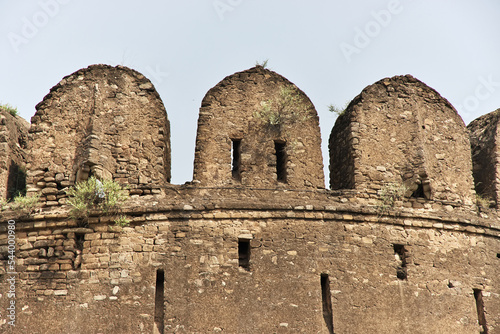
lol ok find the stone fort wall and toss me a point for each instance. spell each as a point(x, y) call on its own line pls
point(13, 141)
point(255, 244)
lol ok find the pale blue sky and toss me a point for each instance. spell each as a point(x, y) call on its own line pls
point(329, 49)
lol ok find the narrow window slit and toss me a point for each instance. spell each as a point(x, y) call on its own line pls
point(326, 297)
point(478, 296)
point(159, 301)
point(16, 181)
point(281, 158)
point(400, 253)
point(236, 159)
point(498, 255)
point(244, 253)
point(79, 240)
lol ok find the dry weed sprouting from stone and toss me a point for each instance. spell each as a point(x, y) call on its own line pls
point(106, 196)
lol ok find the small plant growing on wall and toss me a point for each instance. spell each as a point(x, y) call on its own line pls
point(262, 63)
point(3, 204)
point(287, 107)
point(339, 111)
point(389, 194)
point(122, 221)
point(26, 204)
point(105, 196)
point(12, 110)
point(482, 202)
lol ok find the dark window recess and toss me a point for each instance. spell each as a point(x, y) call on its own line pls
point(478, 295)
point(280, 160)
point(327, 302)
point(419, 193)
point(423, 188)
point(244, 253)
point(236, 159)
point(79, 240)
point(16, 181)
point(159, 301)
point(400, 252)
point(498, 255)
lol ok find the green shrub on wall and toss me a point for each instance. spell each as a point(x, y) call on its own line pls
point(287, 107)
point(105, 196)
point(12, 110)
point(26, 204)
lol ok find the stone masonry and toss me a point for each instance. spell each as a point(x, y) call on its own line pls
point(255, 243)
point(13, 139)
point(485, 155)
point(261, 110)
point(112, 124)
point(400, 130)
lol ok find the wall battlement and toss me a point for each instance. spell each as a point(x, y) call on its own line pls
point(255, 243)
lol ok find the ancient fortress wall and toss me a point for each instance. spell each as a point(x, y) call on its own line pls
point(255, 244)
point(13, 139)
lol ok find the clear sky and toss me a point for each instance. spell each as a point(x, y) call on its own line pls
point(329, 49)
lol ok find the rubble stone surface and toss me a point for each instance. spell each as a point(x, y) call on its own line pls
point(254, 244)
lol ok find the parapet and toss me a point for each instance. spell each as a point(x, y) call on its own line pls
point(484, 134)
point(104, 121)
point(399, 130)
point(13, 137)
point(257, 129)
point(252, 247)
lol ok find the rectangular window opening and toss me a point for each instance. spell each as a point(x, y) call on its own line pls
point(327, 302)
point(281, 158)
point(236, 159)
point(400, 253)
point(16, 181)
point(159, 301)
point(244, 253)
point(478, 296)
point(498, 255)
point(79, 242)
point(423, 188)
point(79, 239)
point(419, 193)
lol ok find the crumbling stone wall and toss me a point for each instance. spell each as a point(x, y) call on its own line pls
point(399, 130)
point(483, 137)
point(13, 139)
point(194, 240)
point(272, 120)
point(104, 121)
point(236, 250)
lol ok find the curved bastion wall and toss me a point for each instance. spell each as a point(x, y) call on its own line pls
point(255, 244)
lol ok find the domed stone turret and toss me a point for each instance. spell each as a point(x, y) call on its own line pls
point(257, 129)
point(104, 121)
point(401, 131)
